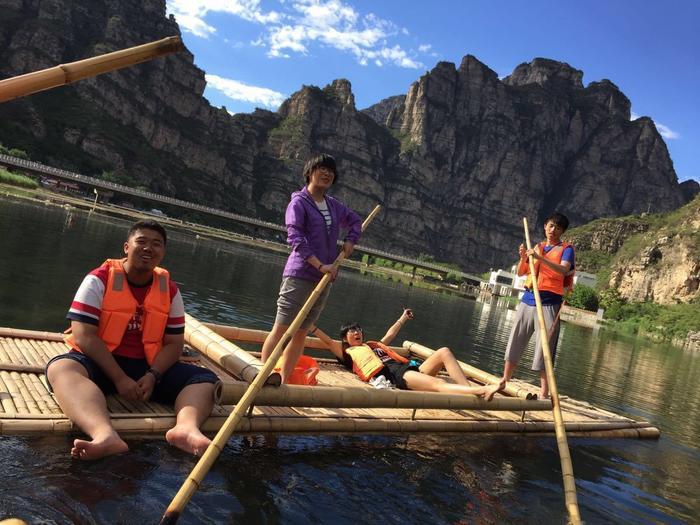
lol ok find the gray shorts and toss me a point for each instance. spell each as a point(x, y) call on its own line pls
point(524, 326)
point(293, 294)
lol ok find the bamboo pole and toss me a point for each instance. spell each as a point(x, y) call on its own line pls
point(564, 455)
point(364, 397)
point(249, 335)
point(423, 352)
point(26, 424)
point(200, 470)
point(62, 74)
point(228, 356)
point(30, 334)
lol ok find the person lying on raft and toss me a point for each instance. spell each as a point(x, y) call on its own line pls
point(374, 358)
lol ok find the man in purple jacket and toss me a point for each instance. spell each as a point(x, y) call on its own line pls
point(314, 221)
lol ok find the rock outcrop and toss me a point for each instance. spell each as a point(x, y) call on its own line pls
point(663, 264)
point(606, 235)
point(647, 258)
point(456, 162)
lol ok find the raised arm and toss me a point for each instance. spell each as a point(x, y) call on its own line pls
point(394, 329)
point(334, 346)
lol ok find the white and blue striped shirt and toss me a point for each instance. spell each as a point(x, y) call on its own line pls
point(323, 208)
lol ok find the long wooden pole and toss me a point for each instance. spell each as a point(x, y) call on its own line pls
point(566, 469)
point(363, 397)
point(62, 74)
point(191, 484)
point(555, 322)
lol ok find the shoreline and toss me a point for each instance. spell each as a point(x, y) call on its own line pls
point(43, 196)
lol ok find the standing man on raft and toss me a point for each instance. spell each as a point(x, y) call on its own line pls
point(554, 265)
point(128, 324)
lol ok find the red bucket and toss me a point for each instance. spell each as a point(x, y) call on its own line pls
point(304, 373)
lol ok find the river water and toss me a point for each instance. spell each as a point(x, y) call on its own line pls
point(46, 251)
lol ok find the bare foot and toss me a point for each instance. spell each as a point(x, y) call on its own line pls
point(490, 390)
point(98, 447)
point(189, 439)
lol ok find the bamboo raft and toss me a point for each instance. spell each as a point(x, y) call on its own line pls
point(340, 403)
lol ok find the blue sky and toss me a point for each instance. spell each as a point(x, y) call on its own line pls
point(258, 52)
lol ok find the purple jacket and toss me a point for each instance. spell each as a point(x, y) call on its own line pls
point(307, 234)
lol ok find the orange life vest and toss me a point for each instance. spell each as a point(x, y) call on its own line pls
point(549, 280)
point(119, 306)
point(366, 363)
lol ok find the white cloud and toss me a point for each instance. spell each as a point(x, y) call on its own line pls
point(190, 14)
point(335, 24)
point(329, 23)
point(195, 25)
point(424, 48)
point(663, 130)
point(667, 132)
point(236, 90)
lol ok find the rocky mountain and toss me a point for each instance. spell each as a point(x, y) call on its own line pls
point(646, 258)
point(456, 162)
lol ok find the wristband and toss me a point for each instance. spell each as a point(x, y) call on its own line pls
point(157, 375)
point(320, 265)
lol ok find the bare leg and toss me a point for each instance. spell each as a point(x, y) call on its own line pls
point(422, 382)
point(443, 357)
point(508, 370)
point(271, 340)
point(84, 403)
point(294, 349)
point(544, 385)
point(192, 406)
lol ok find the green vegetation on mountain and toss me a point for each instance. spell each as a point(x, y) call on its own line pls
point(16, 180)
point(648, 269)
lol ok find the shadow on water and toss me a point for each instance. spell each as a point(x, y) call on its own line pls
point(348, 479)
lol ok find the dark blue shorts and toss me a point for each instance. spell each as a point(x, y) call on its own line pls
point(394, 372)
point(174, 379)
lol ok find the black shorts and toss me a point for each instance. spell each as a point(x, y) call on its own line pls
point(173, 381)
point(394, 372)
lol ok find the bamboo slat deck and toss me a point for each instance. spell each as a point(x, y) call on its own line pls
point(26, 406)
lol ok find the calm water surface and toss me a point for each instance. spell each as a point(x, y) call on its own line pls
point(354, 479)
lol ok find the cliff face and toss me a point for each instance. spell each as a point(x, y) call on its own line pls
point(653, 257)
point(456, 162)
point(149, 121)
point(663, 265)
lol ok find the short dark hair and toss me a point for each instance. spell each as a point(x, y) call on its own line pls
point(148, 225)
point(323, 160)
point(559, 219)
point(345, 329)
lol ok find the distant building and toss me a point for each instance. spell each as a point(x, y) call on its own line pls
point(502, 277)
point(586, 279)
point(71, 187)
point(502, 282)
